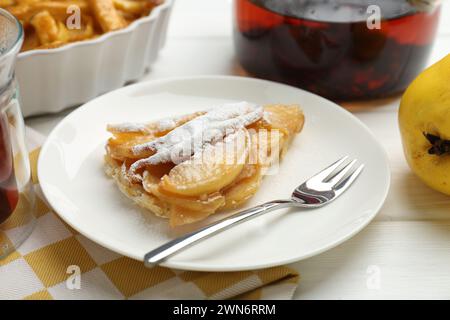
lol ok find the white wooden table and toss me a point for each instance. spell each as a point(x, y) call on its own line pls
point(405, 251)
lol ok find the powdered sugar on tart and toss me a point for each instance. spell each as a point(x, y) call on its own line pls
point(163, 125)
point(128, 127)
point(188, 139)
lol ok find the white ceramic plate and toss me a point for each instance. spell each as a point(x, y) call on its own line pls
point(73, 181)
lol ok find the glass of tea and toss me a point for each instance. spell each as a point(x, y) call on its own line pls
point(339, 49)
point(16, 191)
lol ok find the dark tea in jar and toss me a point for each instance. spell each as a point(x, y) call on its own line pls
point(9, 196)
point(341, 49)
point(17, 202)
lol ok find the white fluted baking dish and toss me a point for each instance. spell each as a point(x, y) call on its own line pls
point(52, 80)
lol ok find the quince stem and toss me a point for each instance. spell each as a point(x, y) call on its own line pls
point(439, 145)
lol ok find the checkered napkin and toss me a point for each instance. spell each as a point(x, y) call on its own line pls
point(56, 262)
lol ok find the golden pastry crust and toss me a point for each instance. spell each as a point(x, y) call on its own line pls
point(107, 15)
point(169, 192)
point(54, 23)
point(133, 191)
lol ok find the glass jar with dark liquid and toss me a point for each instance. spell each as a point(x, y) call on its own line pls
point(16, 191)
point(341, 49)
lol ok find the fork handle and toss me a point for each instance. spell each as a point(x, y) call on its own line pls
point(157, 255)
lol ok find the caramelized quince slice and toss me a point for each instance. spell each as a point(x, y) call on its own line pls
point(288, 119)
point(121, 144)
point(243, 190)
point(180, 216)
point(207, 203)
point(210, 170)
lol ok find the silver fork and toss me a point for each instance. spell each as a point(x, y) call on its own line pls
point(316, 192)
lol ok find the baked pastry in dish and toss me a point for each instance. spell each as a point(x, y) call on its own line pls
point(53, 23)
point(188, 167)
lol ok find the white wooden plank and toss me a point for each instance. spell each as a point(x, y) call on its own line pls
point(411, 260)
point(441, 48)
point(444, 26)
point(201, 18)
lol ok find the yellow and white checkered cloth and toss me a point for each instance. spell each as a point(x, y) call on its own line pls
point(38, 269)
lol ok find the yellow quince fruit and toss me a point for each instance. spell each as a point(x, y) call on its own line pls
point(424, 120)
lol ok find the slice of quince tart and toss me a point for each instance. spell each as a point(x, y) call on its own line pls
point(188, 167)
